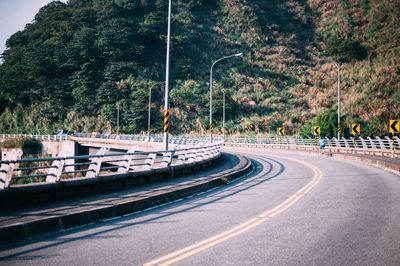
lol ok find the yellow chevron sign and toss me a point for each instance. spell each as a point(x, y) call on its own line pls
point(355, 129)
point(394, 126)
point(281, 131)
point(317, 131)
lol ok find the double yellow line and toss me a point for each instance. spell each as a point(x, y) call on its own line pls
point(244, 227)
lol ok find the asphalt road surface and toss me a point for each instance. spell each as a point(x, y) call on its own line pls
point(293, 209)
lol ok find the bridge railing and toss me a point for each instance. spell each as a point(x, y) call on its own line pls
point(56, 169)
point(377, 146)
point(38, 137)
point(182, 140)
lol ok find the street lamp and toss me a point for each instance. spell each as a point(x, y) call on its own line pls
point(223, 112)
point(338, 97)
point(211, 86)
point(117, 118)
point(166, 105)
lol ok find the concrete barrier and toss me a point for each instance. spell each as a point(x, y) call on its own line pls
point(81, 216)
point(31, 194)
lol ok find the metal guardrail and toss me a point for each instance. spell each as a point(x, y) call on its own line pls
point(38, 137)
point(152, 138)
point(182, 140)
point(378, 146)
point(55, 169)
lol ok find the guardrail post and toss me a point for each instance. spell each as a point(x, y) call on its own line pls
point(181, 157)
point(7, 168)
point(346, 143)
point(372, 142)
point(167, 158)
point(208, 152)
point(199, 154)
point(397, 139)
point(391, 145)
point(381, 143)
point(55, 171)
point(95, 163)
point(217, 150)
point(363, 143)
point(125, 165)
point(149, 162)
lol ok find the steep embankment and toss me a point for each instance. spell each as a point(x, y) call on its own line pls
point(76, 61)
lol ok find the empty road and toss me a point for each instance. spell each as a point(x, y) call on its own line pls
point(293, 209)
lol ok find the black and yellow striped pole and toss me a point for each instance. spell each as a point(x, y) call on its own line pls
point(166, 121)
point(339, 128)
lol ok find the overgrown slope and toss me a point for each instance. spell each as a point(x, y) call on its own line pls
point(76, 61)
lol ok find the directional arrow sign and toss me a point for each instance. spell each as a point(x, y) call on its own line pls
point(355, 129)
point(317, 131)
point(281, 131)
point(394, 126)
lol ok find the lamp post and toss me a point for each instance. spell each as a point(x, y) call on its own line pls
point(148, 116)
point(211, 86)
point(166, 105)
point(223, 113)
point(338, 97)
point(117, 118)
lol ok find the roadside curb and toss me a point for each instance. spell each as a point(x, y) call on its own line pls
point(18, 231)
point(374, 162)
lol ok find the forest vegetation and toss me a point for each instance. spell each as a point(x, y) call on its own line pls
point(76, 61)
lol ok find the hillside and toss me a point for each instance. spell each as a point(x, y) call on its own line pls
point(76, 61)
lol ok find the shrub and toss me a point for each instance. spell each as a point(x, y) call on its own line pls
point(345, 49)
point(29, 146)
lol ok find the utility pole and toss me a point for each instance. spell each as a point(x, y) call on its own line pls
point(166, 105)
point(338, 99)
point(223, 113)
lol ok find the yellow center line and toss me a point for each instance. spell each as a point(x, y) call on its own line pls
point(244, 227)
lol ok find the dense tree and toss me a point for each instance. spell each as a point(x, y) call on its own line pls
point(77, 60)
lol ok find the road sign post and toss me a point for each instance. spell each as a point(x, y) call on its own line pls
point(394, 127)
point(316, 132)
point(355, 130)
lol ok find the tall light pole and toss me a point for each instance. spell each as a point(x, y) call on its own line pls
point(223, 113)
point(211, 86)
point(117, 117)
point(148, 115)
point(166, 105)
point(338, 98)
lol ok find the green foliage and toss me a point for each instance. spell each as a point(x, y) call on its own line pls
point(29, 146)
point(345, 49)
point(326, 120)
point(71, 66)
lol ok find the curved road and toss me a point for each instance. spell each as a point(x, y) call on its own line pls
point(293, 209)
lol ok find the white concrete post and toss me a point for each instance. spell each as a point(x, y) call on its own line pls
point(95, 166)
point(125, 165)
point(6, 169)
point(55, 172)
point(167, 158)
point(149, 162)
